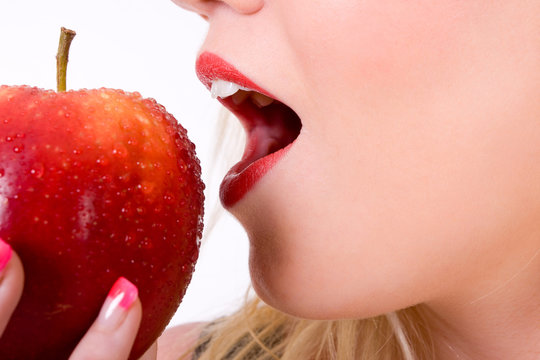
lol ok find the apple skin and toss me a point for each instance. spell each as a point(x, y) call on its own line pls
point(94, 185)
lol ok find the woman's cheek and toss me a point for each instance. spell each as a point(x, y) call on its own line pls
point(371, 212)
point(376, 49)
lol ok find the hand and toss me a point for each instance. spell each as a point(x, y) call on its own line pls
point(112, 334)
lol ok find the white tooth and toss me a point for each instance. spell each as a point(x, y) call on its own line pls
point(261, 100)
point(223, 89)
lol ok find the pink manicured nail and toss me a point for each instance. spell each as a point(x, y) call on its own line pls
point(121, 296)
point(5, 254)
point(124, 292)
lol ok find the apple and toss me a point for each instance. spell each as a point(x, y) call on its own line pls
point(94, 185)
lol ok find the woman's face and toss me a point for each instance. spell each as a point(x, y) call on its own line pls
point(416, 174)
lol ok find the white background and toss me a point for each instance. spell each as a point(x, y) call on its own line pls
point(147, 46)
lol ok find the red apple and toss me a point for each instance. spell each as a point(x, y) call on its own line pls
point(94, 185)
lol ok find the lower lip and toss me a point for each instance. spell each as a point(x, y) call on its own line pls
point(237, 184)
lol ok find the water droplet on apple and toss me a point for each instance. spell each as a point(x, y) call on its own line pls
point(146, 187)
point(125, 178)
point(9, 138)
point(103, 161)
point(37, 170)
point(130, 239)
point(106, 179)
point(18, 149)
point(120, 150)
point(169, 198)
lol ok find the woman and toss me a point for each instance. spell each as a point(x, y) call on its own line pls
point(405, 192)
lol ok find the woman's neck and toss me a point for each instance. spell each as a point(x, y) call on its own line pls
point(502, 323)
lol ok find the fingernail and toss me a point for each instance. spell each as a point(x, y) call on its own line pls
point(121, 296)
point(5, 254)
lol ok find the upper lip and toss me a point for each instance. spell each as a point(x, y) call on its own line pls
point(210, 67)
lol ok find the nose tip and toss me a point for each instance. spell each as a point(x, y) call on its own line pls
point(205, 7)
point(246, 7)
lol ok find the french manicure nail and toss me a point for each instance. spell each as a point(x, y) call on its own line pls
point(121, 296)
point(5, 254)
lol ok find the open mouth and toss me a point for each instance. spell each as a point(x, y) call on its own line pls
point(270, 125)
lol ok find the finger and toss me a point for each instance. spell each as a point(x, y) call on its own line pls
point(112, 335)
point(150, 354)
point(11, 283)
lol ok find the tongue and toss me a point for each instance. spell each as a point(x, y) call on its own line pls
point(269, 129)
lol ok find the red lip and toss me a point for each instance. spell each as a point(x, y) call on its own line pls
point(210, 67)
point(242, 177)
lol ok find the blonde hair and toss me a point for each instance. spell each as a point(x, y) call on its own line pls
point(260, 332)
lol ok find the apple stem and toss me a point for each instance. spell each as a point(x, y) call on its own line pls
point(66, 36)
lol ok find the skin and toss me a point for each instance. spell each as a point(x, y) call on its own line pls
point(418, 161)
point(418, 158)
